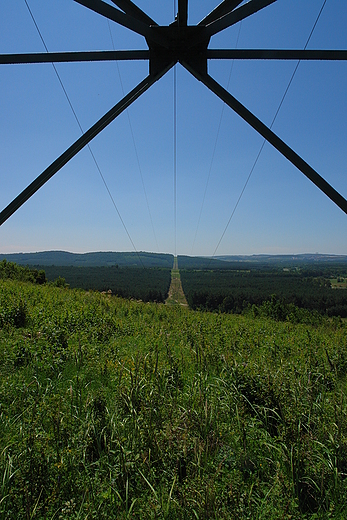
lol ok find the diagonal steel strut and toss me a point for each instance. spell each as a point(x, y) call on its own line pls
point(130, 8)
point(80, 143)
point(270, 136)
point(224, 8)
point(236, 16)
point(135, 25)
point(106, 10)
point(167, 46)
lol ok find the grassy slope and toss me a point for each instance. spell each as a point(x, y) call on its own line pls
point(117, 409)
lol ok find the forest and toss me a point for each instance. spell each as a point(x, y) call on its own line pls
point(146, 284)
point(299, 291)
point(239, 290)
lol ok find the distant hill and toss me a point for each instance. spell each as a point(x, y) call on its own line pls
point(245, 262)
point(163, 260)
point(97, 259)
point(201, 262)
point(288, 260)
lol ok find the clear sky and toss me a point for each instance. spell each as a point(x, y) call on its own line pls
point(280, 211)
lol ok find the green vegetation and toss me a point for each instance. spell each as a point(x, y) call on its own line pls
point(294, 290)
point(12, 271)
point(306, 262)
point(195, 262)
point(339, 283)
point(147, 284)
point(116, 409)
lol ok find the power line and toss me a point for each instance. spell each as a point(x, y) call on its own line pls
point(215, 143)
point(175, 156)
point(175, 7)
point(81, 129)
point(134, 143)
point(272, 123)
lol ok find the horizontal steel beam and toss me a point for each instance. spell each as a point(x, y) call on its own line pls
point(67, 57)
point(274, 54)
point(70, 57)
point(212, 54)
point(270, 136)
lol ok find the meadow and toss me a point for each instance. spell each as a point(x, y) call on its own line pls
point(119, 409)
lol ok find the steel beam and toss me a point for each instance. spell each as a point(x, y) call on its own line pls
point(236, 16)
point(224, 8)
point(211, 54)
point(100, 7)
point(67, 57)
point(130, 8)
point(78, 145)
point(270, 136)
point(167, 45)
point(182, 17)
point(274, 54)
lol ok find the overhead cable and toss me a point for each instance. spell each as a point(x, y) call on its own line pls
point(272, 123)
point(81, 129)
point(134, 143)
point(215, 143)
point(175, 147)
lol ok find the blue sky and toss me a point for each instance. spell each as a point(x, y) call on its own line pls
point(280, 211)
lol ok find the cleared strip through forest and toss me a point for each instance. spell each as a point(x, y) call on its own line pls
point(176, 294)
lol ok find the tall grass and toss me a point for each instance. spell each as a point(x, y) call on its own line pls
point(117, 409)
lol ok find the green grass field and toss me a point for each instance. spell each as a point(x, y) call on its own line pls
point(117, 409)
point(339, 283)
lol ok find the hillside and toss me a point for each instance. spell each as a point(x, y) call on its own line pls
point(163, 260)
point(96, 259)
point(113, 409)
point(299, 259)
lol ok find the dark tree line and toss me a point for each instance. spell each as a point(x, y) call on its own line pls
point(146, 284)
point(233, 291)
point(149, 284)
